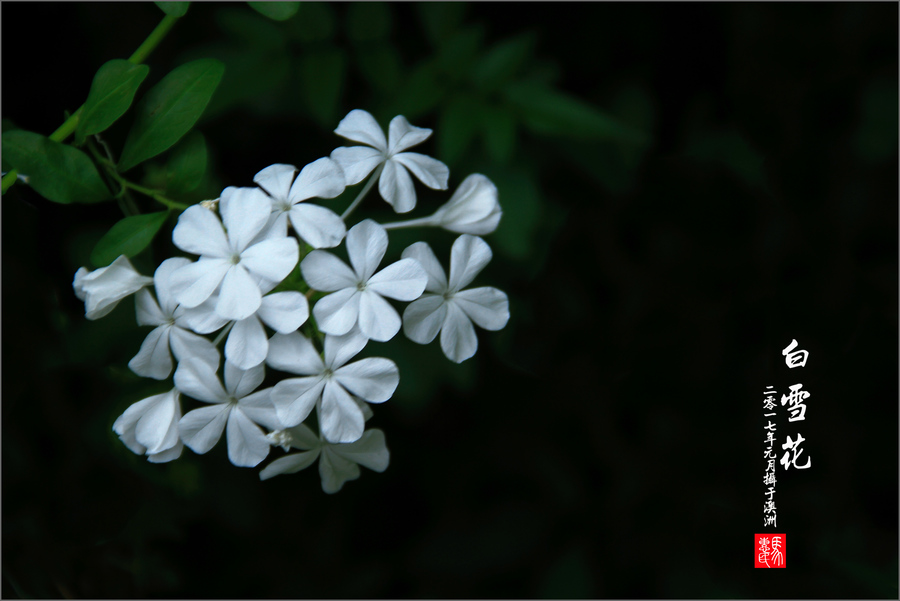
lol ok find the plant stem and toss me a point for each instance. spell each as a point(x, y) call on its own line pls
point(411, 223)
point(153, 40)
point(362, 193)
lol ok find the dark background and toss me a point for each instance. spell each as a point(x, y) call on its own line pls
point(609, 441)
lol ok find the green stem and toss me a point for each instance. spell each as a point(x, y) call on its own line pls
point(8, 180)
point(155, 195)
point(362, 193)
point(153, 40)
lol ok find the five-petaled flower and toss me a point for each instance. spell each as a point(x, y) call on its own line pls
point(154, 359)
point(233, 260)
point(358, 292)
point(394, 183)
point(327, 384)
point(318, 226)
point(446, 307)
point(338, 463)
point(233, 406)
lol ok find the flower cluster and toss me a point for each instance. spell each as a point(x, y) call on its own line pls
point(247, 244)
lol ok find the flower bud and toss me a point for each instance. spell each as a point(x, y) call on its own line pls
point(102, 289)
point(473, 208)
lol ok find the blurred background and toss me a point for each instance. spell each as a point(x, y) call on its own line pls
point(685, 188)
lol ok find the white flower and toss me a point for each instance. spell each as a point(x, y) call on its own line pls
point(473, 208)
point(358, 293)
point(150, 427)
point(395, 184)
point(154, 359)
point(247, 343)
point(233, 259)
point(338, 463)
point(328, 383)
point(445, 307)
point(102, 289)
point(233, 406)
point(318, 226)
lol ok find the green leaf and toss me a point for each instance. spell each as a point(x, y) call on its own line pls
point(111, 94)
point(381, 67)
point(315, 23)
point(322, 75)
point(457, 55)
point(170, 109)
point(523, 212)
point(500, 63)
point(277, 11)
point(252, 30)
point(174, 9)
point(127, 237)
point(368, 21)
point(56, 171)
point(459, 122)
point(547, 111)
point(440, 19)
point(423, 91)
point(186, 165)
point(499, 131)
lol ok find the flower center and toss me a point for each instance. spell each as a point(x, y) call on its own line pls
point(448, 295)
point(235, 258)
point(327, 373)
point(361, 286)
point(280, 438)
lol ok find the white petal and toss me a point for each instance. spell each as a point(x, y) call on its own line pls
point(458, 340)
point(295, 398)
point(367, 242)
point(161, 283)
point(339, 416)
point(340, 349)
point(373, 379)
point(186, 345)
point(468, 257)
point(247, 443)
point(303, 438)
point(430, 172)
point(197, 379)
point(154, 359)
point(78, 282)
point(294, 353)
point(396, 187)
point(203, 318)
point(148, 312)
point(319, 227)
point(202, 428)
point(126, 423)
point(259, 408)
point(289, 464)
point(422, 253)
point(378, 320)
point(323, 178)
point(239, 297)
point(276, 180)
point(337, 313)
point(402, 135)
point(487, 307)
point(357, 162)
point(241, 382)
point(194, 283)
point(247, 344)
point(422, 319)
point(157, 429)
point(284, 312)
point(324, 271)
point(335, 471)
point(167, 455)
point(369, 451)
point(245, 212)
point(360, 126)
point(271, 259)
point(200, 232)
point(404, 280)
